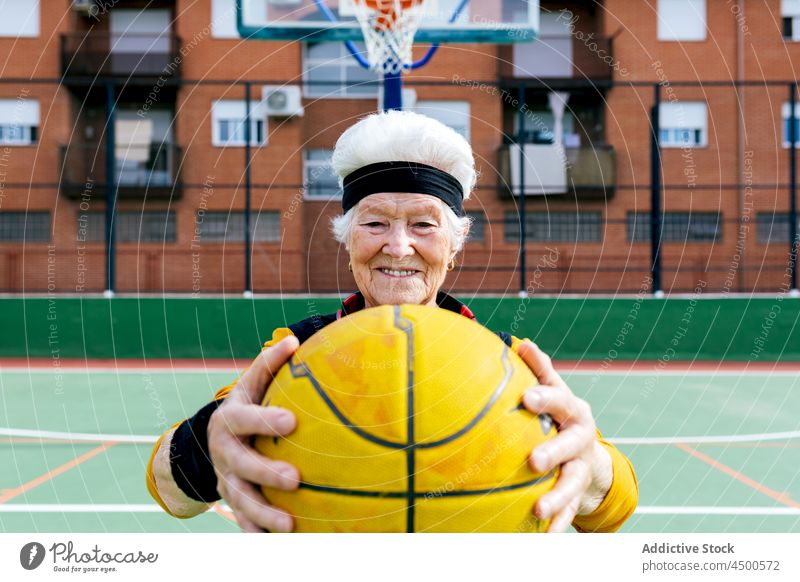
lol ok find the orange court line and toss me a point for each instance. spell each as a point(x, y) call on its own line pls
point(783, 498)
point(226, 514)
point(16, 492)
point(754, 445)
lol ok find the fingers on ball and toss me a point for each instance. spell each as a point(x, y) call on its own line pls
point(249, 465)
point(567, 445)
point(246, 500)
point(561, 521)
point(559, 403)
point(571, 485)
point(246, 525)
point(255, 380)
point(253, 419)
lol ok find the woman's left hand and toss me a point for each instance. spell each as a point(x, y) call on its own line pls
point(586, 471)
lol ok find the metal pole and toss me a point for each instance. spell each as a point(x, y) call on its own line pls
point(792, 188)
point(111, 190)
point(655, 193)
point(248, 268)
point(522, 221)
point(392, 91)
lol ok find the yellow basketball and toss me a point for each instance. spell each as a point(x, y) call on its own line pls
point(409, 418)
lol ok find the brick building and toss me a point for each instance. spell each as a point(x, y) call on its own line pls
point(176, 77)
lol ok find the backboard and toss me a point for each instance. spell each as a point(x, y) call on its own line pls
point(445, 21)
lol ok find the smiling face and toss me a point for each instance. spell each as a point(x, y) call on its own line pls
point(399, 248)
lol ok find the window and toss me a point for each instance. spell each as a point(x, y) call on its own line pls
point(681, 20)
point(454, 114)
point(683, 124)
point(131, 226)
point(223, 16)
point(552, 56)
point(148, 226)
point(556, 227)
point(638, 226)
point(143, 150)
point(319, 181)
point(91, 227)
point(20, 18)
point(329, 70)
point(140, 32)
point(773, 228)
point(677, 227)
point(19, 121)
point(265, 226)
point(785, 115)
point(477, 231)
point(790, 11)
point(228, 129)
point(21, 226)
point(539, 127)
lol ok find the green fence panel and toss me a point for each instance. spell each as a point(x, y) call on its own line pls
point(762, 329)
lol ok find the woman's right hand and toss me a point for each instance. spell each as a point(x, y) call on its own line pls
point(239, 467)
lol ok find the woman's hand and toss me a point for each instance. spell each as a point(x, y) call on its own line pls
point(239, 467)
point(586, 471)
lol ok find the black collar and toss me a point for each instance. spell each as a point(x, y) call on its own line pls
point(355, 302)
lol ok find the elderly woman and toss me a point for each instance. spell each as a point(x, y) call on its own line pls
point(404, 178)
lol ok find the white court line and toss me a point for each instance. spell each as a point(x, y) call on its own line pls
point(153, 508)
point(83, 508)
point(147, 439)
point(77, 436)
point(705, 440)
point(733, 510)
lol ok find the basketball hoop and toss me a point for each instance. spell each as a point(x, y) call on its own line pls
point(389, 27)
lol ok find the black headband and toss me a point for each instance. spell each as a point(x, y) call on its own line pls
point(409, 177)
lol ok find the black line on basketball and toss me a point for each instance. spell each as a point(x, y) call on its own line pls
point(509, 371)
point(424, 494)
point(301, 370)
point(408, 328)
point(353, 492)
point(468, 492)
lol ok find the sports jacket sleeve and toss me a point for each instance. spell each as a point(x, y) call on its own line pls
point(180, 476)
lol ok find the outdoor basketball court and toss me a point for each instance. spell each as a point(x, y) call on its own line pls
point(715, 449)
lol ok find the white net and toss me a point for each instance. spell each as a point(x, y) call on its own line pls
point(389, 27)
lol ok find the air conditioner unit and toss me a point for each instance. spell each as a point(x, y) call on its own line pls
point(84, 7)
point(282, 100)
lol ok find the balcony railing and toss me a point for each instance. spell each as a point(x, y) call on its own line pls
point(106, 54)
point(564, 57)
point(552, 170)
point(150, 171)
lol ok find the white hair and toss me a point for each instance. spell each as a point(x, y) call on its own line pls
point(408, 137)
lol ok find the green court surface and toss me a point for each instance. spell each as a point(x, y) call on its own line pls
point(713, 451)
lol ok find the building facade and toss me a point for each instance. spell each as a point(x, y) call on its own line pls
point(568, 120)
